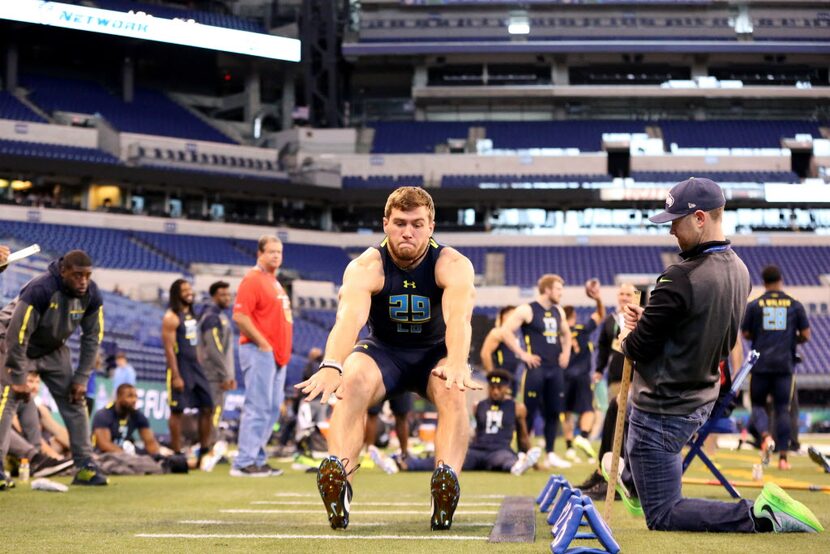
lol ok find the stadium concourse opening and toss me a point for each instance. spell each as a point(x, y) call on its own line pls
point(198, 211)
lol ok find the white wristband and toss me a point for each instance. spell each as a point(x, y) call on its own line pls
point(332, 364)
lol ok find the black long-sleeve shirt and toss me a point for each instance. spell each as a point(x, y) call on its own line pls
point(691, 322)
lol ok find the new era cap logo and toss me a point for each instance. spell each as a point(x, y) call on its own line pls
point(692, 205)
point(669, 200)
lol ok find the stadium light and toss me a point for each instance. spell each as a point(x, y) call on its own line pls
point(147, 27)
point(519, 24)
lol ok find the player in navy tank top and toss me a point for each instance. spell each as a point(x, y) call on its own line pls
point(547, 341)
point(187, 384)
point(417, 297)
point(494, 354)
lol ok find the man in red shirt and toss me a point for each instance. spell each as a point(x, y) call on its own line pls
point(263, 314)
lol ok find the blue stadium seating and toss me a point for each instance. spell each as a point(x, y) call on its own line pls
point(382, 181)
point(187, 249)
point(169, 252)
point(734, 133)
point(416, 137)
point(475, 181)
point(12, 108)
point(422, 136)
point(718, 176)
point(583, 134)
point(151, 112)
point(815, 354)
point(107, 247)
point(56, 152)
point(395, 137)
point(576, 264)
point(800, 265)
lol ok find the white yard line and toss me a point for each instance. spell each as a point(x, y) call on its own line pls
point(401, 495)
point(321, 524)
point(351, 524)
point(339, 537)
point(360, 512)
point(358, 503)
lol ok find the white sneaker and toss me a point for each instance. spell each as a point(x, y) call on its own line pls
point(556, 461)
point(210, 460)
point(526, 461)
point(585, 446)
point(386, 464)
point(570, 454)
point(521, 464)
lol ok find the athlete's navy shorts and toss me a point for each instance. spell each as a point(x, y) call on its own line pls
point(196, 392)
point(579, 398)
point(403, 369)
point(401, 404)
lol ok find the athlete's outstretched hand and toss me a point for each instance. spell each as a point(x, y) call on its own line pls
point(460, 375)
point(325, 382)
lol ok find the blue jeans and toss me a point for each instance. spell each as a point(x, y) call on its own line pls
point(653, 455)
point(264, 384)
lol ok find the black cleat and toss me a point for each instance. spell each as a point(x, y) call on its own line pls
point(335, 490)
point(593, 480)
point(445, 493)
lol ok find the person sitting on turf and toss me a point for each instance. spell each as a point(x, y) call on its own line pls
point(498, 418)
point(114, 427)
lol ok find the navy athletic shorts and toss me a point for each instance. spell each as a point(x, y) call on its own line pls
point(196, 393)
point(579, 398)
point(403, 369)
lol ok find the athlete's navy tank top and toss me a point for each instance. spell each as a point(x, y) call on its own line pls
point(187, 338)
point(504, 358)
point(407, 311)
point(495, 423)
point(541, 335)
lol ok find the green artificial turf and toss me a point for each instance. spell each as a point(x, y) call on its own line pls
point(109, 519)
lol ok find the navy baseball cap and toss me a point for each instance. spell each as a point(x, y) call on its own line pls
point(688, 196)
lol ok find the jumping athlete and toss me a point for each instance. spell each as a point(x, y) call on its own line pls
point(417, 296)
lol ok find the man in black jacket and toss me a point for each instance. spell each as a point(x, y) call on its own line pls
point(691, 322)
point(34, 328)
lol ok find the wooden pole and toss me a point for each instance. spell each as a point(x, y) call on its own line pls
point(619, 428)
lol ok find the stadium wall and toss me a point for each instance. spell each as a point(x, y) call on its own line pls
point(48, 134)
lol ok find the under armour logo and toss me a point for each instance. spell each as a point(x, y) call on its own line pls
point(409, 284)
